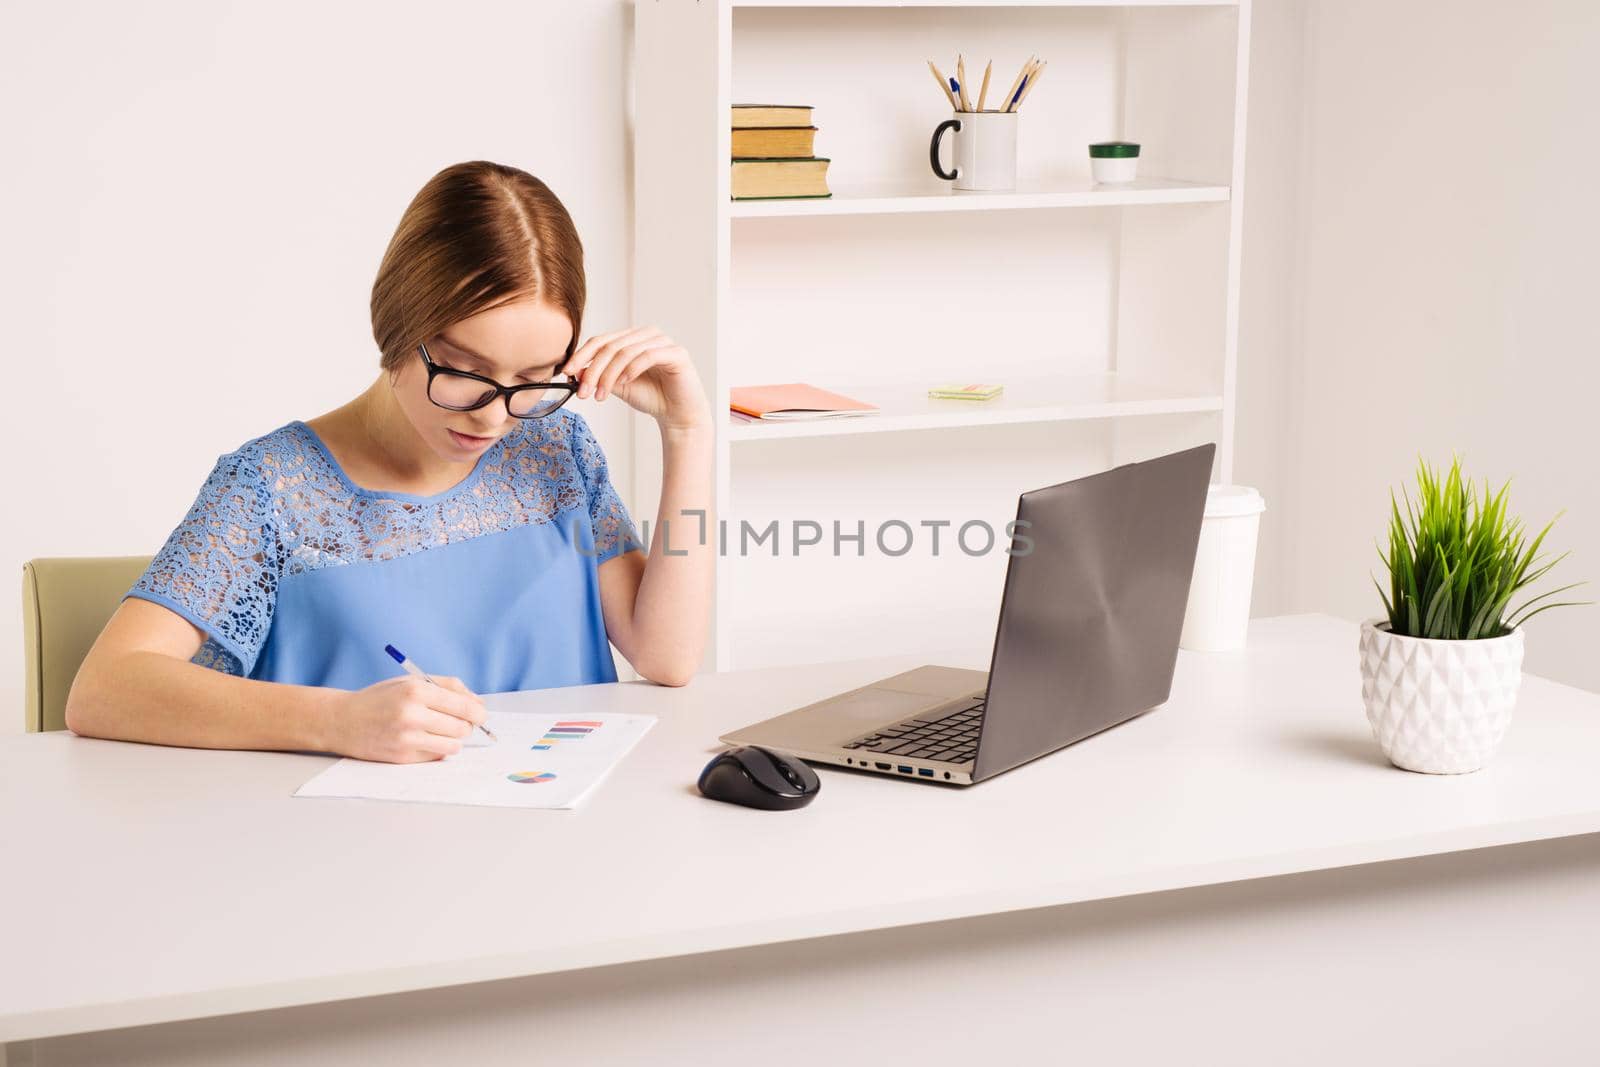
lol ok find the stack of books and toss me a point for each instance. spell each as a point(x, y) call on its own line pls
point(772, 153)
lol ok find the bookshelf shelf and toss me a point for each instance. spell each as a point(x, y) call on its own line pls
point(888, 198)
point(981, 3)
point(1113, 332)
point(1089, 396)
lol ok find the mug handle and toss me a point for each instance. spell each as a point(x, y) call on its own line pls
point(933, 149)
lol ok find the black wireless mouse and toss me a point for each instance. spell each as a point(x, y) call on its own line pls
point(760, 778)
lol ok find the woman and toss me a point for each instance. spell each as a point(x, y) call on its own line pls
point(457, 509)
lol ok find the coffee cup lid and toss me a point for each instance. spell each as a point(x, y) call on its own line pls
point(1225, 501)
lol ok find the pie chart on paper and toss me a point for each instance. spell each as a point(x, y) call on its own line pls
point(530, 777)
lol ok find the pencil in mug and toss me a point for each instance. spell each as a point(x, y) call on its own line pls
point(983, 90)
point(945, 88)
point(1029, 73)
point(961, 81)
point(1011, 93)
point(1033, 79)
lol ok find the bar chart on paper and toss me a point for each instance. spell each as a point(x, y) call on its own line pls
point(538, 761)
point(566, 731)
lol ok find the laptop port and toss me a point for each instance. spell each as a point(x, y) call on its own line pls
point(924, 772)
point(903, 769)
point(883, 766)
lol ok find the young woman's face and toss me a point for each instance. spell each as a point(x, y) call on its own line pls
point(524, 341)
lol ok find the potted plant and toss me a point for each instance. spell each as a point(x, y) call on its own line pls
point(1440, 673)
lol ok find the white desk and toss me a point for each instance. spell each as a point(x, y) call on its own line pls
point(149, 885)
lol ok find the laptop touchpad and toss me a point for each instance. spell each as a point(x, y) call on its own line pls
point(871, 705)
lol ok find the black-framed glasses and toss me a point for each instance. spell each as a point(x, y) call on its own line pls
point(459, 390)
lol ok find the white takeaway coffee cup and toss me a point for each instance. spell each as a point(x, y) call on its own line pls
point(1224, 570)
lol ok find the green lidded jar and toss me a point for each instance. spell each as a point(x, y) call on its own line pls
point(1114, 161)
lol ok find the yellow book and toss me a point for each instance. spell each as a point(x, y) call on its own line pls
point(774, 142)
point(747, 115)
point(775, 179)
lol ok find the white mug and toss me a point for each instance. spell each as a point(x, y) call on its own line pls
point(984, 150)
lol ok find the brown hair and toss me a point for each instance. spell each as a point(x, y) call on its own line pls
point(476, 236)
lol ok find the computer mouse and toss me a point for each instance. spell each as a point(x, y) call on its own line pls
point(760, 777)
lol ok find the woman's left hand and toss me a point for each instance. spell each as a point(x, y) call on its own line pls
point(645, 369)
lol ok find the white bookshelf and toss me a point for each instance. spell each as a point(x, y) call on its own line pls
point(982, 3)
point(908, 407)
point(894, 197)
point(1109, 313)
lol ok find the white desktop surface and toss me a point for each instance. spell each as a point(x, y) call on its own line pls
point(147, 884)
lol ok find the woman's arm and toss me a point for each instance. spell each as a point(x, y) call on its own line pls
point(661, 604)
point(657, 607)
point(137, 684)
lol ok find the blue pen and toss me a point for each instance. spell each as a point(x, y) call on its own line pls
point(416, 672)
point(955, 87)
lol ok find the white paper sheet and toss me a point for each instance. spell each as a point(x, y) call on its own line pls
point(538, 761)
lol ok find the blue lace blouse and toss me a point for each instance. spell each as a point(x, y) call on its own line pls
point(296, 574)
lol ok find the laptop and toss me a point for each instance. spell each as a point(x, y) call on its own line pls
point(1096, 586)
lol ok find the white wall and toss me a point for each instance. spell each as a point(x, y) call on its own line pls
point(196, 196)
point(1448, 284)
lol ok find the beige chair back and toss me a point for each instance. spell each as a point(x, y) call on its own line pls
point(65, 604)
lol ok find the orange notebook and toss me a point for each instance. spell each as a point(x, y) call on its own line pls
point(794, 401)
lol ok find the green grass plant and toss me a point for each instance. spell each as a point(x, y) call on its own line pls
point(1456, 559)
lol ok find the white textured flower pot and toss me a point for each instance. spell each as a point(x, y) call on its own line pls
point(1440, 707)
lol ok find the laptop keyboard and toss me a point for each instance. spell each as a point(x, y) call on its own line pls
point(951, 737)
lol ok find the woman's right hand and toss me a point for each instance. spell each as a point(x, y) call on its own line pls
point(407, 720)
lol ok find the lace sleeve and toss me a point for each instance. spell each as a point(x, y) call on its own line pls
point(219, 569)
point(613, 529)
